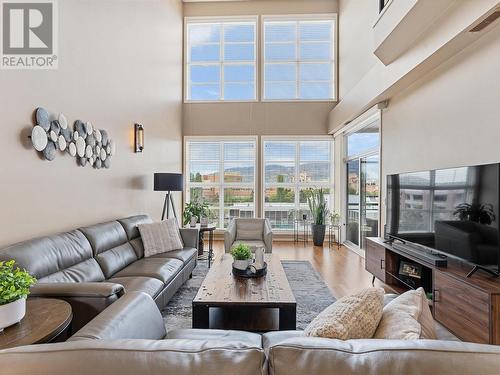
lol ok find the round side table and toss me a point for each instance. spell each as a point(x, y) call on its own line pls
point(45, 320)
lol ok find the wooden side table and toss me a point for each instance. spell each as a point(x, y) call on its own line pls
point(45, 320)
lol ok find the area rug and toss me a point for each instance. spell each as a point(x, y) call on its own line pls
point(311, 293)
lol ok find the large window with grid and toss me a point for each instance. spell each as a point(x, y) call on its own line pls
point(222, 174)
point(290, 168)
point(220, 56)
point(299, 57)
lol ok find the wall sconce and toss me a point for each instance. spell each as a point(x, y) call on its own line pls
point(139, 137)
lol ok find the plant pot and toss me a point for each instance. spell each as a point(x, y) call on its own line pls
point(318, 234)
point(12, 313)
point(241, 264)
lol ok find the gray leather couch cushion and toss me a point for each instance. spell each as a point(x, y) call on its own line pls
point(85, 271)
point(47, 255)
point(129, 224)
point(216, 334)
point(133, 357)
point(185, 254)
point(163, 269)
point(133, 316)
point(307, 355)
point(105, 236)
point(115, 259)
point(146, 285)
point(138, 247)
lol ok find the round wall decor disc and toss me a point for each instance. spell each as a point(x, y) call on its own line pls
point(98, 135)
point(63, 122)
point(103, 154)
point(49, 152)
point(88, 151)
point(42, 118)
point(53, 136)
point(72, 149)
point(80, 147)
point(89, 128)
point(61, 142)
point(39, 138)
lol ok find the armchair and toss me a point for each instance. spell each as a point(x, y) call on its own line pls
point(253, 232)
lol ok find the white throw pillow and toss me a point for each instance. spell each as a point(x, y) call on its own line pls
point(407, 317)
point(160, 237)
point(351, 317)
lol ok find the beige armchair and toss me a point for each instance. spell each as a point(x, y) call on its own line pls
point(253, 232)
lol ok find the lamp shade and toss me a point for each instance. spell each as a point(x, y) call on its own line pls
point(168, 182)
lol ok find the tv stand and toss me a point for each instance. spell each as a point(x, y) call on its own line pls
point(482, 268)
point(467, 306)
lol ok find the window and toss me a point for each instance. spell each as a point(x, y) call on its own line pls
point(290, 168)
point(220, 59)
point(299, 57)
point(222, 174)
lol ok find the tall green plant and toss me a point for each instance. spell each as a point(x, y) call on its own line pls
point(316, 198)
point(15, 283)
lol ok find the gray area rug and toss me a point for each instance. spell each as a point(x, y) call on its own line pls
point(310, 291)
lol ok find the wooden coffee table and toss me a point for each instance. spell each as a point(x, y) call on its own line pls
point(245, 297)
point(45, 320)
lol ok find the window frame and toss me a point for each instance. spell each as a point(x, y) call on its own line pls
point(297, 18)
point(296, 185)
point(221, 184)
point(221, 63)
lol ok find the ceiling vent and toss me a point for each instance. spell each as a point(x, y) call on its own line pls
point(487, 21)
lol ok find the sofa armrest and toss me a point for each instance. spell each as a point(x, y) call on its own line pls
point(229, 236)
point(92, 289)
point(268, 236)
point(120, 321)
point(87, 300)
point(190, 237)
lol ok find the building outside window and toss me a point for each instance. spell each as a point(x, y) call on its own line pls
point(290, 168)
point(222, 174)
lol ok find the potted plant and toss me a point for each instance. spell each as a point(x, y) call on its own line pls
point(335, 218)
point(195, 209)
point(242, 255)
point(476, 212)
point(316, 198)
point(14, 288)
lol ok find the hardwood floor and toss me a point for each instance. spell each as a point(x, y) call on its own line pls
point(342, 269)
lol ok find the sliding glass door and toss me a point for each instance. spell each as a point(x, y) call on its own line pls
point(363, 183)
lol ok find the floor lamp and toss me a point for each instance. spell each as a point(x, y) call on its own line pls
point(168, 182)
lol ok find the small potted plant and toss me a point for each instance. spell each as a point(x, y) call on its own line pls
point(242, 255)
point(335, 218)
point(14, 288)
point(195, 209)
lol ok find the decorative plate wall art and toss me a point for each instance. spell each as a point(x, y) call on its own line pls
point(86, 143)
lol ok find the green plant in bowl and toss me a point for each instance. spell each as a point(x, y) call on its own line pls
point(15, 286)
point(14, 282)
point(241, 252)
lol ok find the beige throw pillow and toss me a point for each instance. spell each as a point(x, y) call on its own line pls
point(351, 317)
point(407, 317)
point(160, 237)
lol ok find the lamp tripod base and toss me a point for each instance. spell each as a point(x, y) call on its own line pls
point(166, 206)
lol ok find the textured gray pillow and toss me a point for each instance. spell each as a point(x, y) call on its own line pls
point(160, 237)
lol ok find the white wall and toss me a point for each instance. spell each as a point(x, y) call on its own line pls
point(120, 62)
point(450, 117)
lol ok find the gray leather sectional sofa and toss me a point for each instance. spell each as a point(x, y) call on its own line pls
point(91, 267)
point(129, 338)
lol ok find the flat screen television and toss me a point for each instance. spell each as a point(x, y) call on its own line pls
point(454, 211)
